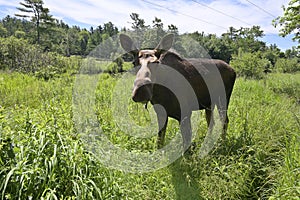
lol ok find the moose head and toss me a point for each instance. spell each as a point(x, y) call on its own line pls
point(147, 61)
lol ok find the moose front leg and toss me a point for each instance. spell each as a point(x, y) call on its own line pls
point(186, 132)
point(162, 126)
point(162, 119)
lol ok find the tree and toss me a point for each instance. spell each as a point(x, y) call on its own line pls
point(173, 29)
point(159, 27)
point(84, 37)
point(13, 24)
point(3, 31)
point(157, 23)
point(139, 27)
point(292, 53)
point(138, 23)
point(40, 15)
point(272, 53)
point(250, 65)
point(290, 21)
point(110, 29)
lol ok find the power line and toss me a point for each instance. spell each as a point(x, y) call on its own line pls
point(218, 11)
point(261, 9)
point(186, 15)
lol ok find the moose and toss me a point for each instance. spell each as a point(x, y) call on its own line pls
point(176, 86)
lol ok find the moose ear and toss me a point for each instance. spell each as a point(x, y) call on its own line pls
point(165, 43)
point(127, 43)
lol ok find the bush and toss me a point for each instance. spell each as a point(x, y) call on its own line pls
point(250, 65)
point(287, 65)
point(16, 54)
point(116, 66)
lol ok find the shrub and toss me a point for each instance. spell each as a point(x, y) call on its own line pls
point(250, 65)
point(116, 66)
point(287, 65)
point(16, 54)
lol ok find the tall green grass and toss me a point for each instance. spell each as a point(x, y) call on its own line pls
point(43, 157)
point(288, 84)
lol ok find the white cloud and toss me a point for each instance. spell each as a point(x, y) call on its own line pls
point(12, 3)
point(189, 16)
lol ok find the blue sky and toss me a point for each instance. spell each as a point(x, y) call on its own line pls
point(210, 16)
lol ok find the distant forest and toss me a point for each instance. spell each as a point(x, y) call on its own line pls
point(38, 31)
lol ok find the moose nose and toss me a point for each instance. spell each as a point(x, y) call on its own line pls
point(135, 98)
point(142, 93)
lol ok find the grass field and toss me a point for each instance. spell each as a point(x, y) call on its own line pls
point(42, 155)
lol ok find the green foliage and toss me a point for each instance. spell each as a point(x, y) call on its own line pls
point(287, 65)
point(272, 53)
point(20, 34)
point(231, 42)
point(3, 31)
point(250, 65)
point(66, 40)
point(290, 20)
point(115, 67)
point(18, 55)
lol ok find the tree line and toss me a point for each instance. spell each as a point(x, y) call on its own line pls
point(37, 32)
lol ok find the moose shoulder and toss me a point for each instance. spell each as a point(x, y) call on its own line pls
point(177, 86)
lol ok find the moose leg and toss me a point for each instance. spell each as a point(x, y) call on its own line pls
point(209, 119)
point(186, 132)
point(225, 121)
point(224, 118)
point(162, 126)
point(162, 119)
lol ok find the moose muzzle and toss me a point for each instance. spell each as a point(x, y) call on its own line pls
point(143, 86)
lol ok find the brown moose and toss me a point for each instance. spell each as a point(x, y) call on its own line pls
point(176, 86)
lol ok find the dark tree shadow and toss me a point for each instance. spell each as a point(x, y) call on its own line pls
point(184, 181)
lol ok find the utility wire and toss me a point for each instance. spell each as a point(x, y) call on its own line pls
point(218, 11)
point(261, 9)
point(186, 15)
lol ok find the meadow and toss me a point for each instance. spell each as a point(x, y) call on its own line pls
point(43, 157)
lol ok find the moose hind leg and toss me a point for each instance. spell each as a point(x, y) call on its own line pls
point(209, 118)
point(224, 119)
point(225, 126)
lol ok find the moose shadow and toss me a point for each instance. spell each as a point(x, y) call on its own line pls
point(184, 180)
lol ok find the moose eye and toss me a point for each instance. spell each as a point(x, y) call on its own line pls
point(128, 57)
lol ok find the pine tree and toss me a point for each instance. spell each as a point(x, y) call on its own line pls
point(39, 15)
